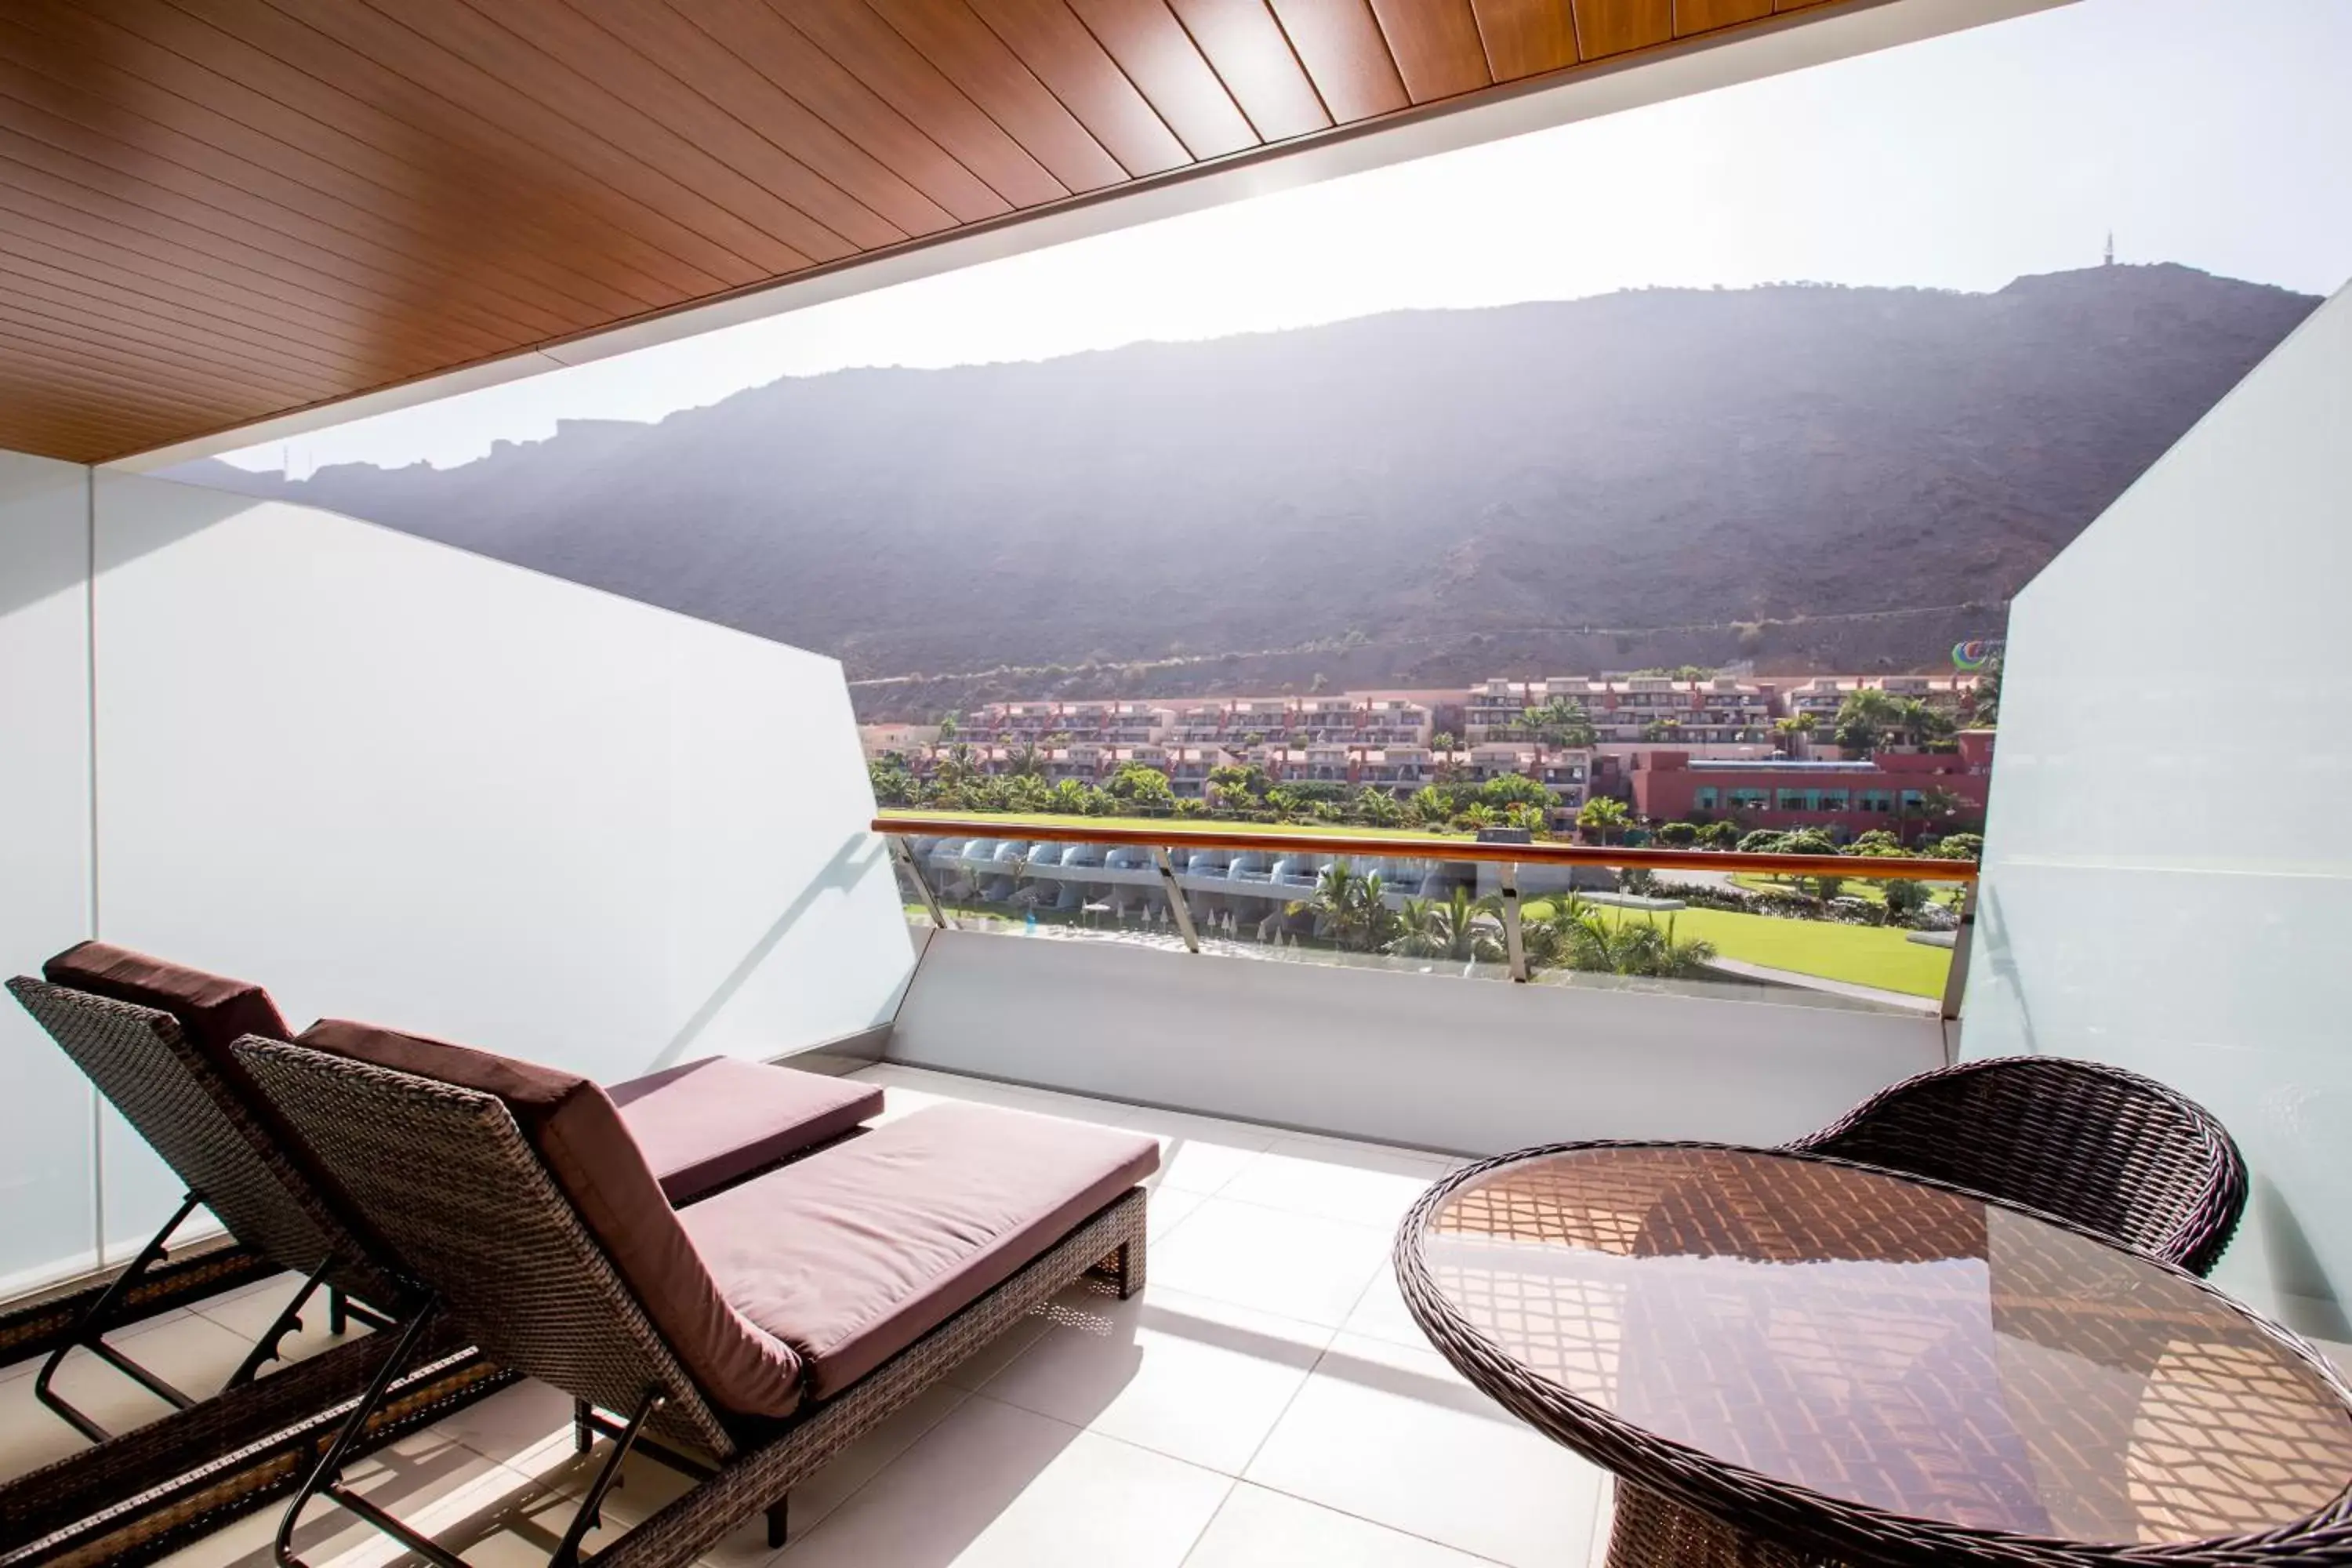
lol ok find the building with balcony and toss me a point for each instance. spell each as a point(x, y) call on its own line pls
point(1910, 793)
point(389, 779)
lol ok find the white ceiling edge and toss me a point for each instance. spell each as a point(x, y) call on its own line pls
point(1794, 42)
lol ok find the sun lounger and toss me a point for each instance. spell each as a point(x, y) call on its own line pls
point(154, 1036)
point(742, 1341)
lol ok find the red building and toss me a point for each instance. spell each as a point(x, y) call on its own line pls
point(1899, 791)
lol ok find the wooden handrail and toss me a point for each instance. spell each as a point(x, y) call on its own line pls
point(1430, 847)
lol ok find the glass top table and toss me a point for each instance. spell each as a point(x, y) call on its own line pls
point(1786, 1337)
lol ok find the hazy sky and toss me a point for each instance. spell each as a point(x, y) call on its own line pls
point(2205, 131)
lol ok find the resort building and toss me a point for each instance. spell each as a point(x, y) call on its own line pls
point(1908, 792)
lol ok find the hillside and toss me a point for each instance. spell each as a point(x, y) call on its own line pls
point(1401, 495)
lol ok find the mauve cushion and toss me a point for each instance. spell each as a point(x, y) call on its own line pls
point(858, 1251)
point(704, 1124)
point(214, 1011)
point(582, 1140)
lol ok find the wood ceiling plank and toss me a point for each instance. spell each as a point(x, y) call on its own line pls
point(1340, 43)
point(1059, 52)
point(148, 384)
point(769, 121)
point(1605, 27)
point(1436, 46)
point(125, 273)
point(35, 221)
point(422, 84)
point(1159, 58)
point(1692, 17)
point(1526, 38)
point(161, 185)
point(763, 42)
point(579, 251)
point(100, 106)
point(134, 348)
point(452, 148)
point(1249, 51)
point(257, 360)
point(37, 416)
point(871, 50)
point(285, 265)
point(568, 65)
point(963, 50)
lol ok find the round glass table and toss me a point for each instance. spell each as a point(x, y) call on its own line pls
point(1790, 1359)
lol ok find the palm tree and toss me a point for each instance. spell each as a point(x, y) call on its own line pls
point(1459, 927)
point(1428, 807)
point(1603, 814)
point(1350, 908)
point(1579, 936)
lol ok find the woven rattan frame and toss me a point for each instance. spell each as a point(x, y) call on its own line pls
point(448, 1179)
point(1757, 1522)
point(2119, 1154)
point(448, 1176)
point(200, 1124)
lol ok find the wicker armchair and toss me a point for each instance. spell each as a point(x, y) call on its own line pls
point(2109, 1150)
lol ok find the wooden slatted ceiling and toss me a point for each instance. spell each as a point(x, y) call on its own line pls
point(213, 211)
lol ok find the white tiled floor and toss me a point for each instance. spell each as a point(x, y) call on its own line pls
point(1265, 1402)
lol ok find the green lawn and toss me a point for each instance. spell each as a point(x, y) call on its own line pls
point(1012, 820)
point(1861, 956)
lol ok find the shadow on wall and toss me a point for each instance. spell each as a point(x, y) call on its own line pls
point(841, 873)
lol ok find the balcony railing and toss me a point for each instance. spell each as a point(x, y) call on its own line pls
point(1266, 864)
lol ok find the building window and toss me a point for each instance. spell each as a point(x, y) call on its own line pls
point(1747, 799)
point(1793, 800)
point(1912, 800)
point(1704, 799)
point(1877, 800)
point(1834, 800)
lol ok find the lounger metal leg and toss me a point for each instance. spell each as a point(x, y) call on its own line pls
point(326, 1480)
point(584, 1426)
point(339, 1312)
point(776, 1511)
point(592, 1511)
point(91, 1334)
point(290, 1322)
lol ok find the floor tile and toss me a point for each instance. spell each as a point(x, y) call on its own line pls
point(1396, 1436)
point(1199, 1153)
point(1166, 1209)
point(1291, 1265)
point(993, 1485)
point(1381, 1314)
point(1358, 1184)
point(453, 1494)
point(1262, 1529)
point(248, 1314)
point(193, 1353)
point(1197, 1379)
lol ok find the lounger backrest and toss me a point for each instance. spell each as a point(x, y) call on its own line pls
point(445, 1173)
point(207, 1131)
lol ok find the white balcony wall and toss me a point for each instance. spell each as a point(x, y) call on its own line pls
point(47, 1152)
point(1435, 1061)
point(397, 782)
point(2163, 895)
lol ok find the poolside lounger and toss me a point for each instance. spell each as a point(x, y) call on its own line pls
point(154, 1036)
point(742, 1341)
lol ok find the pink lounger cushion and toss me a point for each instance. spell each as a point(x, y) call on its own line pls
point(704, 1124)
point(858, 1251)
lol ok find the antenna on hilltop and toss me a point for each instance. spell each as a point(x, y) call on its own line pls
point(2110, 261)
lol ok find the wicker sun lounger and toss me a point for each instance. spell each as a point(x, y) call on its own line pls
point(742, 1342)
point(154, 1037)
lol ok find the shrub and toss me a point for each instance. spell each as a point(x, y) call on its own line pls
point(1678, 835)
point(1763, 841)
point(1719, 835)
